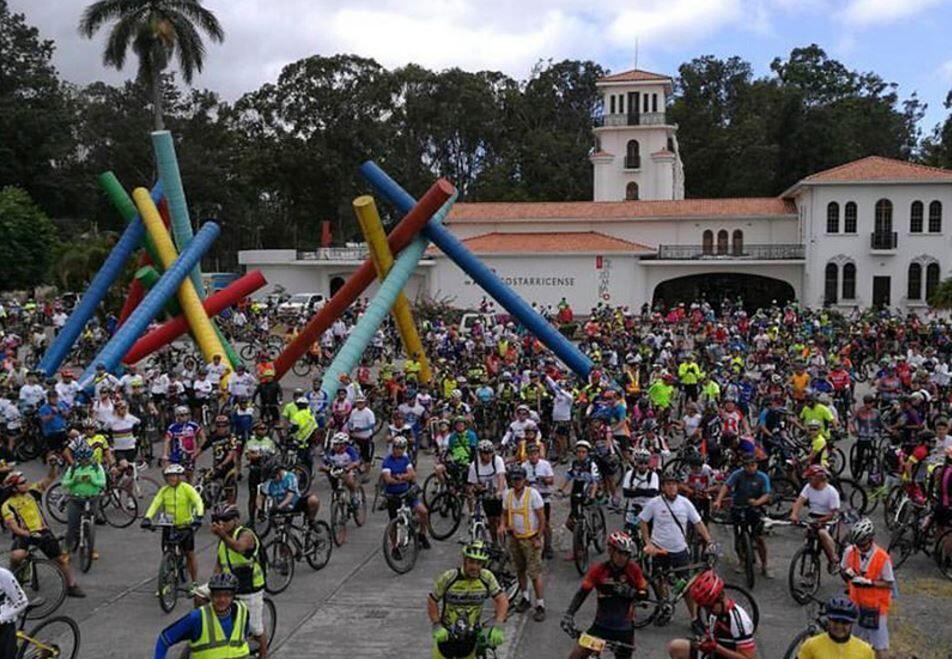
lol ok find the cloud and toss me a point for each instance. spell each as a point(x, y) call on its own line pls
point(877, 12)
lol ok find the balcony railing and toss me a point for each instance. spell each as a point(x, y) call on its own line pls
point(625, 119)
point(632, 162)
point(746, 252)
point(334, 254)
point(883, 240)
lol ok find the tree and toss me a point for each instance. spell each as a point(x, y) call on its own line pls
point(941, 297)
point(156, 30)
point(937, 148)
point(27, 240)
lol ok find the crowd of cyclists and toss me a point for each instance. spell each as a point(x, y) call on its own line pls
point(691, 418)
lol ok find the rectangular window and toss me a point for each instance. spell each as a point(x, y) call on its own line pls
point(849, 217)
point(646, 103)
point(621, 104)
point(935, 217)
point(612, 104)
point(654, 102)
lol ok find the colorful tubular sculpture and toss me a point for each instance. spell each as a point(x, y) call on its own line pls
point(198, 321)
point(153, 302)
point(399, 238)
point(390, 290)
point(213, 305)
point(372, 228)
point(110, 270)
point(479, 273)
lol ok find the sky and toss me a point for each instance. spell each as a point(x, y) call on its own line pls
point(905, 41)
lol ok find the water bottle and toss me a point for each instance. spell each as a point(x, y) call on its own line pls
point(680, 584)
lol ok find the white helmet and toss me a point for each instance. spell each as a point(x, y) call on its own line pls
point(181, 409)
point(457, 394)
point(583, 444)
point(485, 446)
point(339, 438)
point(174, 469)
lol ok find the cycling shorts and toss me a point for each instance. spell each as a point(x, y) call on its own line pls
point(46, 541)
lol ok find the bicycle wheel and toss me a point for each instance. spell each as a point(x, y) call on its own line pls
point(167, 586)
point(902, 544)
point(88, 531)
point(119, 508)
point(303, 477)
point(269, 621)
point(261, 524)
point(399, 546)
point(302, 367)
point(599, 532)
point(857, 465)
point(785, 493)
point(891, 506)
point(580, 547)
point(837, 461)
point(42, 581)
point(853, 494)
point(360, 512)
point(54, 500)
point(803, 579)
point(247, 352)
point(56, 637)
point(795, 644)
point(432, 487)
point(746, 601)
point(144, 490)
point(339, 522)
point(280, 560)
point(652, 605)
point(319, 545)
point(943, 554)
point(745, 552)
point(445, 516)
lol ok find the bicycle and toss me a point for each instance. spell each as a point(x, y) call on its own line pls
point(44, 583)
point(744, 542)
point(142, 488)
point(343, 506)
point(401, 544)
point(803, 577)
point(471, 640)
point(54, 637)
point(920, 533)
point(589, 531)
point(816, 614)
point(269, 621)
point(288, 546)
point(595, 645)
point(86, 542)
point(446, 508)
point(214, 489)
point(172, 568)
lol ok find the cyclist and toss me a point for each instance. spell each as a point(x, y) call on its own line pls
point(178, 500)
point(13, 603)
point(398, 477)
point(618, 583)
point(216, 630)
point(182, 440)
point(824, 503)
point(541, 477)
point(524, 521)
point(302, 427)
point(122, 427)
point(639, 485)
point(457, 601)
point(750, 490)
point(239, 554)
point(345, 457)
point(866, 423)
point(867, 569)
point(360, 425)
point(487, 474)
point(837, 640)
point(460, 449)
point(281, 487)
point(84, 479)
point(583, 477)
point(225, 450)
point(22, 515)
point(731, 630)
point(819, 446)
point(258, 450)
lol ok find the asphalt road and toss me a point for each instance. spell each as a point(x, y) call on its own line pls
point(357, 607)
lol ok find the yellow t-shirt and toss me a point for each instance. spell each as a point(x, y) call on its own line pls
point(24, 509)
point(823, 647)
point(818, 446)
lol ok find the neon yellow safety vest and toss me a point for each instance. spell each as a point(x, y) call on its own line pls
point(212, 644)
point(238, 564)
point(306, 425)
point(523, 512)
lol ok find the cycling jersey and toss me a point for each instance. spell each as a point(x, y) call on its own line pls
point(462, 597)
point(824, 647)
point(184, 439)
point(181, 502)
point(616, 593)
point(25, 510)
point(278, 490)
point(734, 630)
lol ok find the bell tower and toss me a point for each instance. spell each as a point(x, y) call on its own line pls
point(636, 155)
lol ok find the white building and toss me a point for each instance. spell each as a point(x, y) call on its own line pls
point(870, 232)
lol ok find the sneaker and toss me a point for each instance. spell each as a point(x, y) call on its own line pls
point(75, 591)
point(539, 614)
point(95, 555)
point(523, 605)
point(424, 542)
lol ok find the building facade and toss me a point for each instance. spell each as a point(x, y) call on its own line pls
point(870, 232)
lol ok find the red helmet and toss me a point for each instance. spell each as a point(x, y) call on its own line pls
point(816, 470)
point(620, 541)
point(707, 588)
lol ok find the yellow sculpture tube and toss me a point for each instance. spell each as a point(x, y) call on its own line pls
point(380, 254)
point(191, 304)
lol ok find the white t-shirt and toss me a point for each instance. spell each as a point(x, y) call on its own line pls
point(666, 533)
point(485, 474)
point(534, 474)
point(202, 388)
point(821, 502)
point(67, 391)
point(360, 419)
point(522, 524)
point(216, 371)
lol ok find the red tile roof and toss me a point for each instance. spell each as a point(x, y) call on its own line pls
point(557, 242)
point(635, 75)
point(601, 154)
point(663, 152)
point(621, 210)
point(877, 168)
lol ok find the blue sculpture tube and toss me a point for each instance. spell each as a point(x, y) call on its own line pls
point(153, 303)
point(111, 269)
point(570, 355)
point(379, 308)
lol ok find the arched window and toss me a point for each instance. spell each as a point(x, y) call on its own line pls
point(935, 217)
point(849, 282)
point(932, 279)
point(915, 217)
point(832, 217)
point(631, 191)
point(633, 155)
point(722, 241)
point(707, 242)
point(883, 218)
point(737, 242)
point(914, 282)
point(831, 283)
point(849, 217)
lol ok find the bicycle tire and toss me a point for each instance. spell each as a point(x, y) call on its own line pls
point(854, 494)
point(942, 554)
point(339, 522)
point(397, 563)
point(599, 530)
point(303, 477)
point(301, 368)
point(447, 510)
point(167, 584)
point(902, 545)
point(746, 600)
point(802, 561)
point(580, 547)
point(644, 621)
point(86, 548)
point(321, 546)
point(280, 571)
point(269, 621)
point(786, 492)
point(144, 491)
point(360, 513)
point(432, 488)
point(55, 640)
point(42, 578)
point(745, 550)
point(247, 351)
point(836, 460)
point(891, 507)
point(54, 500)
point(795, 644)
point(261, 524)
point(119, 508)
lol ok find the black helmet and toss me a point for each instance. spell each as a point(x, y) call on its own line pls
point(224, 511)
point(223, 581)
point(517, 471)
point(694, 458)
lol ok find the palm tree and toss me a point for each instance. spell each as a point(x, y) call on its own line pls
point(157, 30)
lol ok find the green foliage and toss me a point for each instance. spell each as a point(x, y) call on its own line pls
point(27, 240)
point(941, 297)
